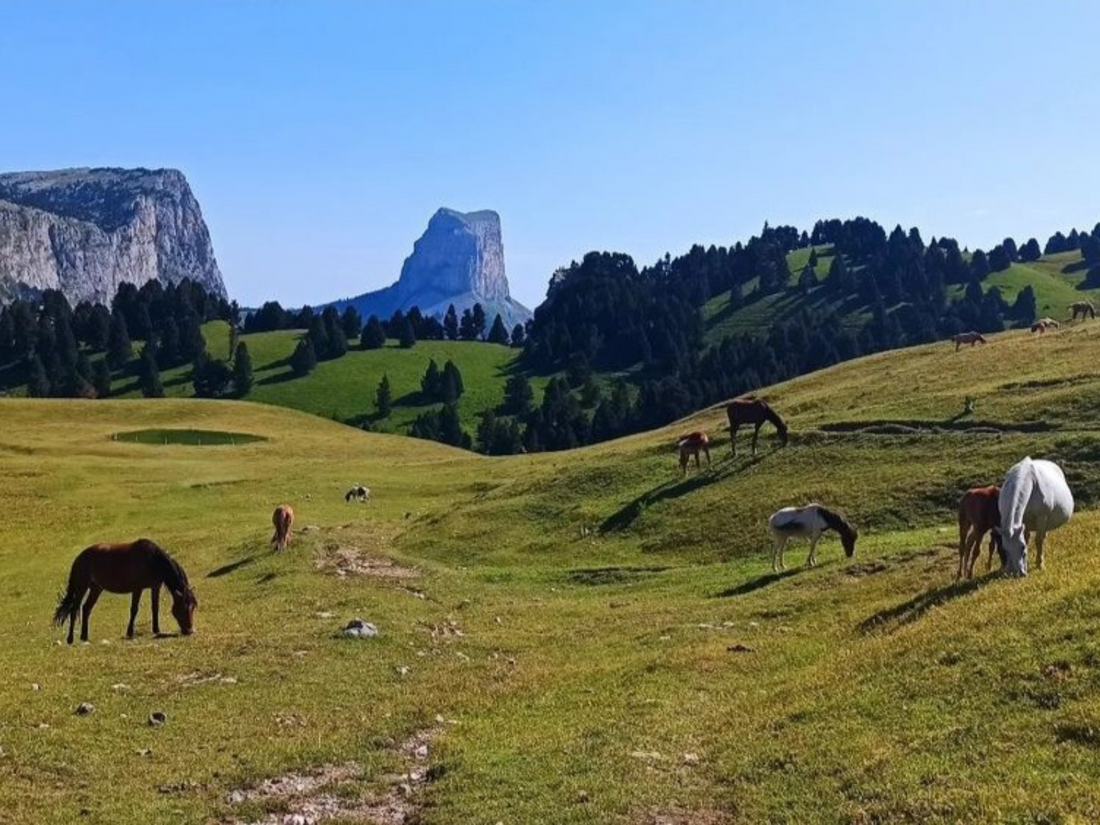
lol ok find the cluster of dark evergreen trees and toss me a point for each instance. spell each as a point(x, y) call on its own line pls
point(60, 351)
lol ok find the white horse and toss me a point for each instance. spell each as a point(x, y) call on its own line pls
point(808, 522)
point(1034, 497)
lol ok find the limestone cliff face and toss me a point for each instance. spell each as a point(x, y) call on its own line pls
point(458, 260)
point(85, 231)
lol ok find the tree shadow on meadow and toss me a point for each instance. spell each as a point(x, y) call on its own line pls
point(892, 618)
point(226, 569)
point(675, 488)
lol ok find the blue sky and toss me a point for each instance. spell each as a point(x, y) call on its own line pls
point(320, 137)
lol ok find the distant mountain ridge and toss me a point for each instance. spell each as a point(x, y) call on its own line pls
point(458, 260)
point(85, 231)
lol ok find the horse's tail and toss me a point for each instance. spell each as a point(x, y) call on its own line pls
point(68, 600)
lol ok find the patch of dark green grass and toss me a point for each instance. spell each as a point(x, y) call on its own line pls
point(190, 438)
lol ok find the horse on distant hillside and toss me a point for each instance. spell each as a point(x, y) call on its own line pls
point(1043, 324)
point(1082, 308)
point(125, 568)
point(690, 445)
point(971, 338)
point(1034, 497)
point(357, 493)
point(282, 518)
point(756, 412)
point(978, 514)
point(808, 522)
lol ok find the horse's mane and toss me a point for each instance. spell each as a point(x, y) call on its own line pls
point(1018, 486)
point(175, 579)
point(835, 520)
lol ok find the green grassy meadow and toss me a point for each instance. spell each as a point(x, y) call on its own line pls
point(586, 636)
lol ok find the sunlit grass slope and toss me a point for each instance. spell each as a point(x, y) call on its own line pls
point(603, 639)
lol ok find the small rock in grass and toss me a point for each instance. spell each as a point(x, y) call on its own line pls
point(84, 708)
point(402, 671)
point(691, 759)
point(35, 686)
point(647, 755)
point(358, 629)
point(157, 718)
point(421, 752)
point(120, 686)
point(144, 752)
point(741, 648)
point(235, 797)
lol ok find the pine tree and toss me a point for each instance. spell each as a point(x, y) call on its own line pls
point(407, 338)
point(38, 385)
point(303, 360)
point(149, 373)
point(466, 326)
point(119, 348)
point(450, 427)
point(374, 336)
point(486, 428)
point(450, 323)
point(351, 322)
point(478, 321)
point(384, 398)
point(242, 371)
point(518, 395)
point(431, 384)
point(1025, 308)
point(499, 333)
point(451, 388)
point(101, 378)
point(519, 335)
point(1030, 251)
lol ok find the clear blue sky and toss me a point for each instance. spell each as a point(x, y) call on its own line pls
point(320, 137)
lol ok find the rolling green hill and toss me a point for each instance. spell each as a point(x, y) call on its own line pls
point(344, 389)
point(576, 637)
point(1054, 278)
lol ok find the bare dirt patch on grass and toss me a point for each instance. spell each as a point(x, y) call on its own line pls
point(363, 554)
point(330, 793)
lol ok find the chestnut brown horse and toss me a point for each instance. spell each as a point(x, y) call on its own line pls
point(756, 412)
point(282, 518)
point(979, 513)
point(125, 568)
point(971, 338)
point(690, 445)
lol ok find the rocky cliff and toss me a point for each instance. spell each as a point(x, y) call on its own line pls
point(458, 260)
point(85, 231)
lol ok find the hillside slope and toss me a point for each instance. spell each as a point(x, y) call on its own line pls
point(599, 638)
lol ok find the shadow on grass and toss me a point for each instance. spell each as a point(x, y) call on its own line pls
point(754, 584)
point(277, 378)
point(722, 469)
point(892, 618)
point(226, 569)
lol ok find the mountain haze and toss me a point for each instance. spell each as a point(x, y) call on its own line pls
point(458, 260)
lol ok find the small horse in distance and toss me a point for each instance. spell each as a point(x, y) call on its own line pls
point(753, 411)
point(125, 568)
point(971, 338)
point(1083, 308)
point(1043, 324)
point(979, 514)
point(357, 493)
point(690, 445)
point(1034, 497)
point(808, 522)
point(282, 518)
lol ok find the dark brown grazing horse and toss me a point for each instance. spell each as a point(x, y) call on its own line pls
point(690, 445)
point(125, 568)
point(282, 518)
point(756, 412)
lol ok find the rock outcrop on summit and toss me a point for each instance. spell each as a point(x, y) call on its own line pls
point(458, 260)
point(85, 231)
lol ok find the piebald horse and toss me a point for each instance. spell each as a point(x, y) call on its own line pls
point(756, 412)
point(808, 522)
point(282, 518)
point(1034, 498)
point(1084, 309)
point(357, 493)
point(979, 514)
point(125, 568)
point(1043, 324)
point(690, 445)
point(971, 338)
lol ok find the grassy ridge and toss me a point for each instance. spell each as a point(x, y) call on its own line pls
point(577, 612)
